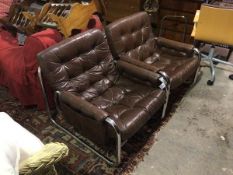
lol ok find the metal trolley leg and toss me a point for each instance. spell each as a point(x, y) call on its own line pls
point(210, 57)
point(212, 69)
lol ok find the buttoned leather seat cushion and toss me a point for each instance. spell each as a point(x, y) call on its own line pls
point(130, 104)
point(88, 71)
point(131, 37)
point(177, 65)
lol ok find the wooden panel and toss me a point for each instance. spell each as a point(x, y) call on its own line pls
point(119, 4)
point(177, 26)
point(177, 36)
point(189, 16)
point(174, 27)
point(181, 5)
point(121, 8)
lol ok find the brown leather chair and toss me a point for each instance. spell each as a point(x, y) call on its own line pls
point(103, 100)
point(131, 40)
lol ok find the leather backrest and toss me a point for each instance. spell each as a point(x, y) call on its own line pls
point(132, 37)
point(81, 64)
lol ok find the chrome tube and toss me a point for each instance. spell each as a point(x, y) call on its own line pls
point(198, 53)
point(165, 78)
point(212, 69)
point(112, 123)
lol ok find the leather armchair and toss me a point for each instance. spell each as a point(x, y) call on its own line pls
point(104, 101)
point(131, 39)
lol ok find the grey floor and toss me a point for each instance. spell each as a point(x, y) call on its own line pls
point(198, 139)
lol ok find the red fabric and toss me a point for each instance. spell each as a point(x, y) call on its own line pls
point(18, 65)
point(5, 7)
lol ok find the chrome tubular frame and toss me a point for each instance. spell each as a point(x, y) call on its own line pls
point(112, 123)
point(198, 53)
point(108, 120)
point(166, 81)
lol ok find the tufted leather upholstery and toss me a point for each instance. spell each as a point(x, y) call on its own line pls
point(92, 87)
point(131, 38)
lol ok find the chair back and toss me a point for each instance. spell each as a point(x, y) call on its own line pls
point(132, 36)
point(215, 25)
point(81, 64)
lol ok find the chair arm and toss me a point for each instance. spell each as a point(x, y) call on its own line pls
point(140, 64)
point(139, 72)
point(44, 159)
point(83, 106)
point(178, 46)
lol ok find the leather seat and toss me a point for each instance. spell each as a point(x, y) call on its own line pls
point(131, 39)
point(93, 89)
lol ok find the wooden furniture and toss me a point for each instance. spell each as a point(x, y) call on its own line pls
point(173, 28)
point(77, 18)
point(121, 8)
point(63, 16)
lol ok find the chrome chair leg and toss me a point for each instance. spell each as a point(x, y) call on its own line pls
point(165, 80)
point(223, 62)
point(212, 68)
point(166, 102)
point(196, 76)
point(118, 139)
point(198, 53)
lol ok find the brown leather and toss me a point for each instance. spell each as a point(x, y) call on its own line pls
point(178, 46)
point(83, 106)
point(130, 104)
point(132, 38)
point(139, 72)
point(92, 87)
point(140, 64)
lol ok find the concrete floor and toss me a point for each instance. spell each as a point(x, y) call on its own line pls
point(198, 139)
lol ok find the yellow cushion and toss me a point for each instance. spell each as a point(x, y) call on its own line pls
point(195, 21)
point(45, 158)
point(215, 25)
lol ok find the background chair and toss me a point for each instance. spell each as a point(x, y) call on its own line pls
point(131, 40)
point(213, 25)
point(101, 102)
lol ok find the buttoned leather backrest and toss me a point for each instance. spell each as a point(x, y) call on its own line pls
point(132, 36)
point(81, 64)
